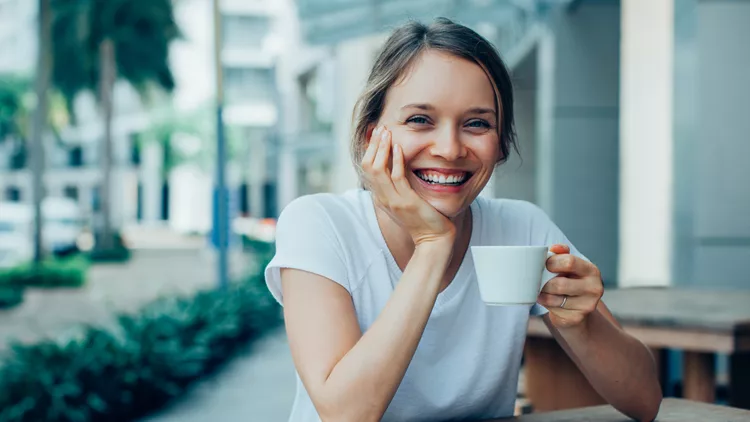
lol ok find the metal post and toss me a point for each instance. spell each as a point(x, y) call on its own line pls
point(221, 220)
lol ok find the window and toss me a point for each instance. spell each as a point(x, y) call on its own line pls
point(249, 84)
point(18, 157)
point(96, 199)
point(71, 192)
point(75, 157)
point(135, 149)
point(13, 194)
point(244, 31)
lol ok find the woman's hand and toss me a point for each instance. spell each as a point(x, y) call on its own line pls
point(394, 195)
point(578, 286)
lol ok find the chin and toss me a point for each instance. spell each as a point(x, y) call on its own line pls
point(450, 209)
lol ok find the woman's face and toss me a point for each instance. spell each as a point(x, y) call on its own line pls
point(443, 115)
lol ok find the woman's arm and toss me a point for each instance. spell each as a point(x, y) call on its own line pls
point(350, 376)
point(619, 367)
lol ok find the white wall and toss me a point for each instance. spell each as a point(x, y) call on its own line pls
point(646, 143)
point(192, 58)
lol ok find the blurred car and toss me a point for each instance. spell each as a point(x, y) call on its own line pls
point(15, 244)
point(63, 227)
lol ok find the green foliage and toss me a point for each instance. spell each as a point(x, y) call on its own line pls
point(141, 31)
point(144, 361)
point(10, 296)
point(69, 272)
point(14, 113)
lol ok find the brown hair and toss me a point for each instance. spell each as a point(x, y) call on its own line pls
point(404, 45)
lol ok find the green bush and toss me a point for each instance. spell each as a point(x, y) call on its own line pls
point(10, 296)
point(147, 359)
point(68, 272)
point(260, 248)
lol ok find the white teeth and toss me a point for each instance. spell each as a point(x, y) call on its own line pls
point(441, 178)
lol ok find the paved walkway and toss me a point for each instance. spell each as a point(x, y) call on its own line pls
point(258, 386)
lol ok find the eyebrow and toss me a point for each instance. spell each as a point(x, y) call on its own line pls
point(429, 107)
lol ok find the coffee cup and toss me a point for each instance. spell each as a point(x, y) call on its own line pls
point(511, 275)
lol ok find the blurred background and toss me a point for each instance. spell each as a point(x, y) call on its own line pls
point(147, 146)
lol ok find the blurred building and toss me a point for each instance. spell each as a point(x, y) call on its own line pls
point(630, 117)
point(72, 161)
point(250, 34)
point(150, 185)
point(73, 158)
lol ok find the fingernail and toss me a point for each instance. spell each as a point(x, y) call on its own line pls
point(384, 135)
point(376, 132)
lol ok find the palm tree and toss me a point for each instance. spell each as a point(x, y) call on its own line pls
point(110, 40)
point(39, 122)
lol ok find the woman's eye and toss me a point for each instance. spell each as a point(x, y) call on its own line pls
point(478, 124)
point(420, 120)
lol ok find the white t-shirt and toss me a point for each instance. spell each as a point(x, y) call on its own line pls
point(467, 361)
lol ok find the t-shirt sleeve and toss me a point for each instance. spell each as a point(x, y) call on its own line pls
point(306, 240)
point(548, 233)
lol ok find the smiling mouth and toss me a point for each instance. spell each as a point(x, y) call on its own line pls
point(454, 178)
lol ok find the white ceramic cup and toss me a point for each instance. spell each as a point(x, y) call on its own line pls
point(511, 275)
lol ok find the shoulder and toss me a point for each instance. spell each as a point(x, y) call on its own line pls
point(311, 206)
point(334, 220)
point(320, 209)
point(514, 210)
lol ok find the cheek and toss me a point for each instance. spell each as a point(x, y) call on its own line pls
point(486, 148)
point(411, 142)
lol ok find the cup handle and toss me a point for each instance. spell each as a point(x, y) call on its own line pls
point(546, 275)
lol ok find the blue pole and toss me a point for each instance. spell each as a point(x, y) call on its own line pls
point(221, 223)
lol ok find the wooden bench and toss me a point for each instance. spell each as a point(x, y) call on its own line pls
point(698, 322)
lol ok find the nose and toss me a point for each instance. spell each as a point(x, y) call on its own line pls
point(447, 145)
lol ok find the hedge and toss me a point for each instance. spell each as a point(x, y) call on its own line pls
point(10, 296)
point(68, 272)
point(127, 371)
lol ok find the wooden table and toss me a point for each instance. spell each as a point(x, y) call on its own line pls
point(700, 323)
point(672, 410)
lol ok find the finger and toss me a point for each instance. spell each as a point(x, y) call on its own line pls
point(573, 303)
point(567, 286)
point(381, 156)
point(398, 174)
point(559, 249)
point(372, 147)
point(569, 264)
point(381, 176)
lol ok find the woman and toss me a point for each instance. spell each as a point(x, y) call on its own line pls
point(381, 305)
